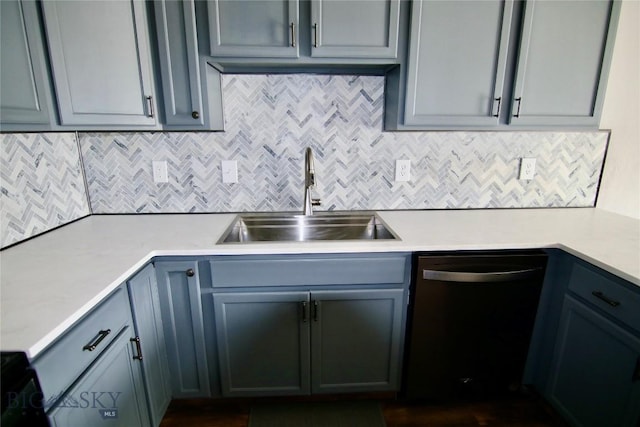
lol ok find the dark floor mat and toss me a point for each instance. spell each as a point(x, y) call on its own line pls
point(317, 414)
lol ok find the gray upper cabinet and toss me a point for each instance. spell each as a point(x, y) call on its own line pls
point(190, 86)
point(563, 63)
point(457, 61)
point(254, 28)
point(355, 29)
point(101, 63)
point(25, 101)
point(503, 64)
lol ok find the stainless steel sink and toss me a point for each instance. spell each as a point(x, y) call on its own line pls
point(295, 227)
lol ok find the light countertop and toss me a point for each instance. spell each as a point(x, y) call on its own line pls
point(49, 282)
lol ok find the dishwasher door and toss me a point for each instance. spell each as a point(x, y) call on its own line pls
point(471, 320)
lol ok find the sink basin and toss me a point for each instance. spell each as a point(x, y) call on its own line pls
point(293, 227)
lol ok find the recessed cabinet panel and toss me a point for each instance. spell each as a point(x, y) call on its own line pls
point(563, 62)
point(355, 28)
point(254, 28)
point(100, 60)
point(457, 60)
point(24, 86)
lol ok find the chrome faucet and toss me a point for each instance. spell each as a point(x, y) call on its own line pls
point(309, 182)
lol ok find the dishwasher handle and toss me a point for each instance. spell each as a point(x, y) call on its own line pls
point(472, 277)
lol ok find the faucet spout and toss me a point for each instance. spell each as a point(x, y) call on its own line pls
point(309, 183)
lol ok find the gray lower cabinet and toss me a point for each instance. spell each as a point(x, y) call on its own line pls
point(181, 311)
point(110, 392)
point(145, 305)
point(291, 343)
point(25, 101)
point(101, 63)
point(594, 373)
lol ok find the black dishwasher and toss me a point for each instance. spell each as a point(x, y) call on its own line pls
point(470, 322)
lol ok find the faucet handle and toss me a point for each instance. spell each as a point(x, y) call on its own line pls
point(316, 202)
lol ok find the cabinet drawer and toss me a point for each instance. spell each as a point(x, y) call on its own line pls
point(297, 270)
point(607, 294)
point(71, 354)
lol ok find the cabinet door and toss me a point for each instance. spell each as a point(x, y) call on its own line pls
point(355, 28)
point(595, 379)
point(145, 303)
point(109, 393)
point(25, 102)
point(457, 61)
point(101, 63)
point(263, 342)
point(356, 340)
point(179, 63)
point(254, 28)
point(181, 309)
point(563, 62)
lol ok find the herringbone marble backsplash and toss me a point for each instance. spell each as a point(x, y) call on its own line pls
point(41, 184)
point(269, 120)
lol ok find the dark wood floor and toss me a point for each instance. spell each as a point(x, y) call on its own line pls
point(516, 411)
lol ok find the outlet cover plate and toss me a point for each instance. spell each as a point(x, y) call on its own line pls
point(527, 168)
point(403, 170)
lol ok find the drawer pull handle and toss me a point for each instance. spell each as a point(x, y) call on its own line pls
point(138, 348)
point(150, 104)
point(315, 311)
point(304, 311)
point(293, 34)
point(101, 335)
point(316, 35)
point(519, 101)
point(190, 272)
point(605, 298)
point(499, 99)
point(636, 372)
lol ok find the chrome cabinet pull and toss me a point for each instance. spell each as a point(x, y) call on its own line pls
point(497, 276)
point(603, 297)
point(138, 348)
point(304, 311)
point(316, 36)
point(190, 272)
point(293, 34)
point(519, 101)
point(150, 105)
point(315, 311)
point(497, 114)
point(101, 335)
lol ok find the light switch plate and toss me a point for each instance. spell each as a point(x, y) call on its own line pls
point(229, 171)
point(403, 170)
point(527, 168)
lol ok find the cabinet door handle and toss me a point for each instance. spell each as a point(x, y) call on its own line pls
point(195, 115)
point(150, 104)
point(497, 114)
point(636, 372)
point(315, 311)
point(190, 272)
point(519, 101)
point(293, 34)
point(101, 335)
point(138, 348)
point(316, 36)
point(603, 297)
point(304, 311)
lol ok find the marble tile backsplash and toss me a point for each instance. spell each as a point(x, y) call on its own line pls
point(269, 121)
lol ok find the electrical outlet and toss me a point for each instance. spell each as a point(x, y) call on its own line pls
point(403, 170)
point(160, 171)
point(527, 168)
point(229, 171)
